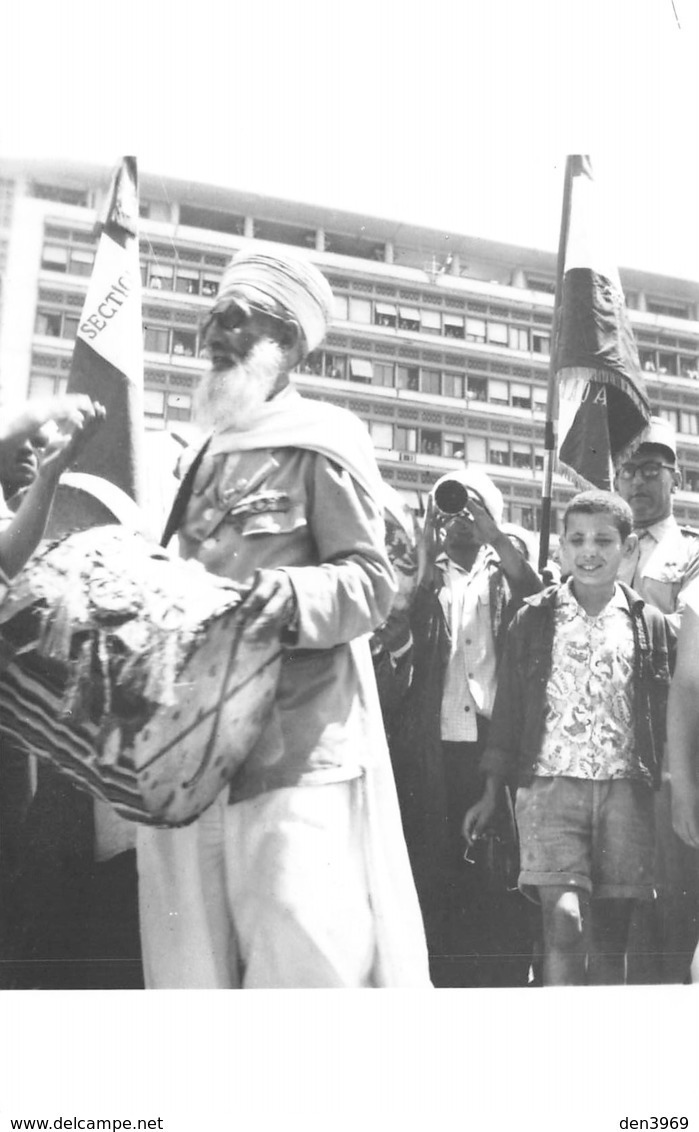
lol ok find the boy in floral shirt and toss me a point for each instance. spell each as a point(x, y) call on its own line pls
point(578, 723)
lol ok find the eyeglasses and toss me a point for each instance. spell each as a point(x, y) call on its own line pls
point(234, 314)
point(649, 469)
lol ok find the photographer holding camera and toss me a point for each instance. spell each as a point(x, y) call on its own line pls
point(473, 580)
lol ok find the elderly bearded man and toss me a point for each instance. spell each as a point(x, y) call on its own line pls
point(297, 876)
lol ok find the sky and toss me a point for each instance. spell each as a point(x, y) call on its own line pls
point(454, 114)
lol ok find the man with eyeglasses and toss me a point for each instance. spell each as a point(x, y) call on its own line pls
point(667, 561)
point(668, 557)
point(297, 876)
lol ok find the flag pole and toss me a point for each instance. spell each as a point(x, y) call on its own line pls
point(107, 481)
point(552, 391)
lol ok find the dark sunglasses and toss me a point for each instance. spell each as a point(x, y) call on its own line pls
point(234, 314)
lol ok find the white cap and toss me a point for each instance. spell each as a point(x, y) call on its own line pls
point(659, 432)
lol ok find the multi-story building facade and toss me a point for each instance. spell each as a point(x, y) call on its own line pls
point(440, 341)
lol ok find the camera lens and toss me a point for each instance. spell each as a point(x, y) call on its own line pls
point(451, 497)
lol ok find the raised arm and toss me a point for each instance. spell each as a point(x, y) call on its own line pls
point(78, 418)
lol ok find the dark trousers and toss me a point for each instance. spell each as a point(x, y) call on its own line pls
point(482, 926)
point(664, 932)
point(74, 923)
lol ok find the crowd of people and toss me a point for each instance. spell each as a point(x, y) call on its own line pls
point(481, 786)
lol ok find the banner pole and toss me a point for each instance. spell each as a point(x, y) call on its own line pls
point(552, 389)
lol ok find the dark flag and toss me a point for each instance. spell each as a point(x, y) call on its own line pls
point(602, 405)
point(108, 366)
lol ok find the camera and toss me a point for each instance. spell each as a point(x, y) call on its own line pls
point(451, 497)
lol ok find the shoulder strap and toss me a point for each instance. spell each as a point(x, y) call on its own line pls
point(181, 500)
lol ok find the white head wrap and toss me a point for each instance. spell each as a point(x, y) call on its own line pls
point(294, 283)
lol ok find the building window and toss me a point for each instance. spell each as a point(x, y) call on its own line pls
point(691, 480)
point(312, 363)
point(648, 361)
point(454, 385)
point(184, 343)
point(187, 282)
point(520, 396)
point(431, 321)
point(153, 405)
point(385, 314)
point(541, 343)
point(359, 310)
point(478, 388)
point(70, 326)
point(209, 286)
point(335, 366)
point(454, 446)
point(60, 194)
point(408, 377)
point(670, 310)
point(340, 307)
point(476, 448)
point(430, 381)
point(689, 424)
point(430, 442)
point(540, 397)
point(498, 392)
point(383, 374)
point(500, 453)
point(671, 416)
point(405, 439)
point(528, 518)
point(381, 434)
point(41, 385)
point(408, 318)
point(521, 456)
point(518, 339)
point(475, 330)
point(537, 283)
point(81, 262)
point(48, 323)
point(361, 370)
point(453, 326)
point(689, 367)
point(179, 406)
point(498, 333)
point(160, 276)
point(54, 258)
point(539, 456)
point(667, 363)
point(156, 340)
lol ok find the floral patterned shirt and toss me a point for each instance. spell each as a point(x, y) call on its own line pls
point(589, 727)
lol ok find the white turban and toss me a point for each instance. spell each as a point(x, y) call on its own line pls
point(294, 283)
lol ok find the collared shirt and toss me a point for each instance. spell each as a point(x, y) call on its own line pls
point(470, 681)
point(589, 726)
point(667, 560)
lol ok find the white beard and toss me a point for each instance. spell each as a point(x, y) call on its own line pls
point(232, 398)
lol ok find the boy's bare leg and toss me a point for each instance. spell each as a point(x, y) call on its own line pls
point(609, 931)
point(565, 911)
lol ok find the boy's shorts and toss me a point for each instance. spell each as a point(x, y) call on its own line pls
point(598, 836)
